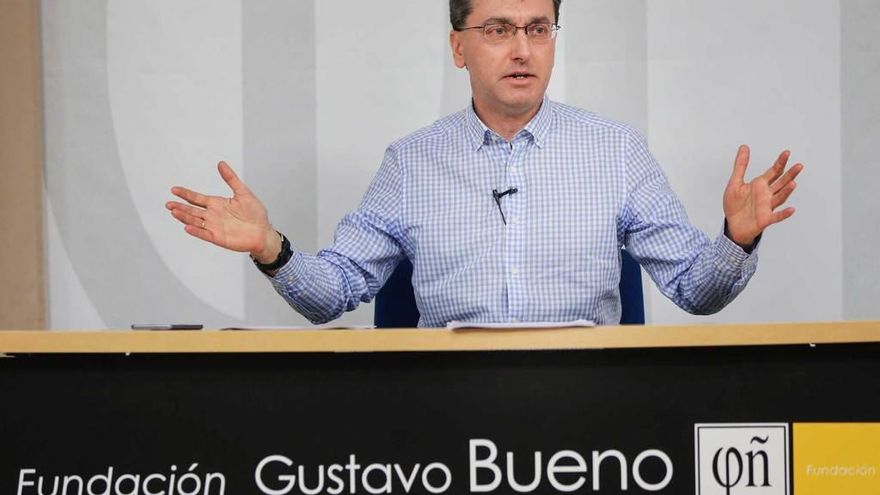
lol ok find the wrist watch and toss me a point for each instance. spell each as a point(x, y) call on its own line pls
point(282, 259)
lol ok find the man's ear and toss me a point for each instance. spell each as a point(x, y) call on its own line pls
point(457, 52)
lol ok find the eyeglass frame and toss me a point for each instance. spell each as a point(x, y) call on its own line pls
point(554, 29)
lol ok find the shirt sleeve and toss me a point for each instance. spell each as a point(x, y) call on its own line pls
point(365, 250)
point(698, 274)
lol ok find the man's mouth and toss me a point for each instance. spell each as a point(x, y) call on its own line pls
point(519, 76)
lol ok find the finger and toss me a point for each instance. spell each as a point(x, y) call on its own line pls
point(782, 196)
point(775, 171)
point(739, 165)
point(787, 178)
point(188, 219)
point(782, 215)
point(190, 196)
point(202, 234)
point(231, 178)
point(192, 210)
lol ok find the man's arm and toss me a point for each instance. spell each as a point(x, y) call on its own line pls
point(698, 274)
point(321, 287)
point(365, 250)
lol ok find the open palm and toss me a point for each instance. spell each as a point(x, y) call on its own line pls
point(751, 207)
point(239, 223)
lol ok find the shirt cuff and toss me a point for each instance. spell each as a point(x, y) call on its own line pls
point(726, 232)
point(290, 274)
point(733, 258)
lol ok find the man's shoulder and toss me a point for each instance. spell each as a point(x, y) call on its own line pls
point(570, 116)
point(437, 131)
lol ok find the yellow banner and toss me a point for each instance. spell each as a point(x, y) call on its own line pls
point(836, 458)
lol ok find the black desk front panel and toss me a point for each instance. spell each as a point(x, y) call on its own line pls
point(142, 415)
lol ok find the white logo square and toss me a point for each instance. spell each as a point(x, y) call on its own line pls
point(742, 459)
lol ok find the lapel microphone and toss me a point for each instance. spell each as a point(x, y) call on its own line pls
point(498, 195)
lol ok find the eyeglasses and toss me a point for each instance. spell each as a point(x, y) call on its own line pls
point(497, 33)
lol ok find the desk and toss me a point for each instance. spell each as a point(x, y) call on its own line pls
point(434, 411)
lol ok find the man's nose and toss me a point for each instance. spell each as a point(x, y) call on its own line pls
point(521, 46)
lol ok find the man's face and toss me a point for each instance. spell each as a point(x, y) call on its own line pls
point(508, 77)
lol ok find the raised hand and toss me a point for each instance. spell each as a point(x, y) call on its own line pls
point(750, 207)
point(239, 223)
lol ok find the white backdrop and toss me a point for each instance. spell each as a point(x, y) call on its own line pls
point(302, 97)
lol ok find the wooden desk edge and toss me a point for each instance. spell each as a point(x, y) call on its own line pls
point(416, 340)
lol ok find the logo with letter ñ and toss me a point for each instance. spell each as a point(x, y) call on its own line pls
point(742, 459)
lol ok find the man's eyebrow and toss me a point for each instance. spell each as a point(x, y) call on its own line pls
point(497, 20)
point(505, 20)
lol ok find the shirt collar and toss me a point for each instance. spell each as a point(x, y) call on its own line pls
point(538, 127)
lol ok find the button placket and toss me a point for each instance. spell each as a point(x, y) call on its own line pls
point(513, 231)
point(502, 153)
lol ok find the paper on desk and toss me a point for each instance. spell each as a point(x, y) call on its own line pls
point(314, 327)
point(463, 325)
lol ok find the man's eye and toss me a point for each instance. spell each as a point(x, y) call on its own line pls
point(498, 30)
point(539, 29)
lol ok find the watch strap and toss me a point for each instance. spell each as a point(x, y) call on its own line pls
point(282, 259)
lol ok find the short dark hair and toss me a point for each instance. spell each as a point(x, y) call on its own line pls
point(459, 10)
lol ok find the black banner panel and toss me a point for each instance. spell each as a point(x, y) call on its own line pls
point(670, 421)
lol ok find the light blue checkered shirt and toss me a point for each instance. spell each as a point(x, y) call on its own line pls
point(587, 186)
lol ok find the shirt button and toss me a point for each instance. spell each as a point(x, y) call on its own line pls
point(514, 220)
point(289, 280)
point(514, 170)
point(514, 270)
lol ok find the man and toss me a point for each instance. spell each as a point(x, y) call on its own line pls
point(514, 209)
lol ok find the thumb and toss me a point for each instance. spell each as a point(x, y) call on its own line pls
point(230, 177)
